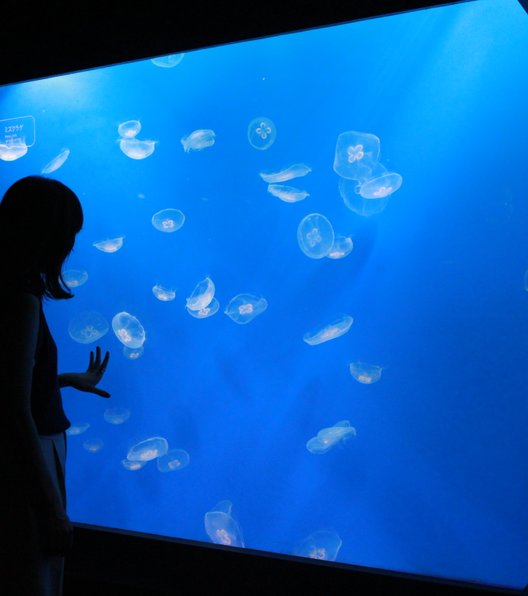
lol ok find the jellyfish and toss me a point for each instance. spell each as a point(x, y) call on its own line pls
point(163, 294)
point(296, 170)
point(56, 162)
point(329, 437)
point(168, 220)
point(133, 353)
point(261, 133)
point(221, 527)
point(323, 544)
point(136, 149)
point(365, 373)
point(315, 236)
point(148, 449)
point(93, 445)
point(132, 466)
point(110, 245)
point(173, 460)
point(87, 327)
point(206, 311)
point(381, 186)
point(129, 129)
point(336, 328)
point(169, 61)
point(128, 330)
point(198, 140)
point(243, 308)
point(202, 295)
point(77, 429)
point(343, 246)
point(356, 203)
point(116, 415)
point(14, 150)
point(356, 154)
point(74, 278)
point(288, 194)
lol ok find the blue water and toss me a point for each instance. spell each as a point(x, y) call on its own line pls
point(434, 480)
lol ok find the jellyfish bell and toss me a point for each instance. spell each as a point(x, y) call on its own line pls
point(136, 149)
point(356, 154)
point(348, 189)
point(380, 186)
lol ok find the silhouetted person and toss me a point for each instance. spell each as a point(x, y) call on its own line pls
point(39, 220)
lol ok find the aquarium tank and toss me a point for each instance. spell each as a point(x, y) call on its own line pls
point(307, 255)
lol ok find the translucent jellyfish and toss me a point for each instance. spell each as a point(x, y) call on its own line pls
point(381, 186)
point(93, 445)
point(261, 133)
point(243, 308)
point(343, 246)
point(129, 129)
point(56, 162)
point(365, 373)
point(13, 151)
point(207, 311)
point(77, 429)
point(116, 415)
point(88, 326)
point(221, 527)
point(356, 203)
point(198, 140)
point(202, 295)
point(329, 437)
point(110, 245)
point(168, 220)
point(323, 544)
point(136, 149)
point(148, 449)
point(132, 466)
point(288, 194)
point(128, 330)
point(356, 154)
point(173, 460)
point(334, 329)
point(163, 294)
point(169, 61)
point(74, 278)
point(133, 353)
point(296, 170)
point(315, 236)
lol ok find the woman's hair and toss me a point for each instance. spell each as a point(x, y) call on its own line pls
point(39, 219)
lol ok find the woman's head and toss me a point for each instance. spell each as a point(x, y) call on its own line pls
point(39, 219)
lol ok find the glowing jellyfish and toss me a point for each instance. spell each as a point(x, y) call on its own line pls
point(129, 129)
point(243, 308)
point(128, 330)
point(13, 151)
point(133, 353)
point(323, 544)
point(329, 437)
point(381, 186)
point(288, 194)
point(356, 154)
point(136, 149)
point(315, 236)
point(110, 245)
point(202, 295)
point(74, 278)
point(356, 203)
point(198, 140)
point(334, 329)
point(261, 133)
point(87, 327)
point(56, 162)
point(93, 445)
point(77, 429)
point(163, 294)
point(343, 246)
point(206, 311)
point(173, 460)
point(365, 373)
point(221, 526)
point(169, 61)
point(132, 466)
point(116, 415)
point(296, 170)
point(148, 449)
point(168, 220)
